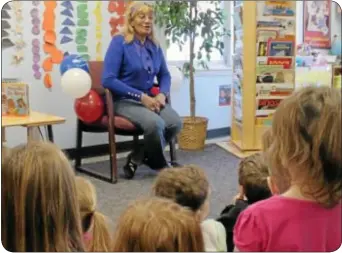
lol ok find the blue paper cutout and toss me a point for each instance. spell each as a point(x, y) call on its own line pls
point(67, 12)
point(66, 31)
point(68, 5)
point(68, 22)
point(65, 40)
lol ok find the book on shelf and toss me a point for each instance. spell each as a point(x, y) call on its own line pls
point(14, 98)
point(273, 90)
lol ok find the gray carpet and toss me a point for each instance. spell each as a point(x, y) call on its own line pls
point(220, 166)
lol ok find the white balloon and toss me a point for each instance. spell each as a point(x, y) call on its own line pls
point(176, 78)
point(76, 83)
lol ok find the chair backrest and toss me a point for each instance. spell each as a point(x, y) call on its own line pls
point(95, 70)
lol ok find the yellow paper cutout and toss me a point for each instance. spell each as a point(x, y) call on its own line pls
point(18, 57)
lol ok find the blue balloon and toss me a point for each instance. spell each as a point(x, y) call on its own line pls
point(336, 47)
point(73, 61)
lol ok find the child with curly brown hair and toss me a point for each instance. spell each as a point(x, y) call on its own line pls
point(189, 187)
point(305, 145)
point(253, 187)
point(157, 225)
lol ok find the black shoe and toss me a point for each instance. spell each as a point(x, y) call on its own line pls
point(155, 166)
point(130, 168)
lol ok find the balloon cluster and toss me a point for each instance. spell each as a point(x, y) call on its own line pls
point(76, 82)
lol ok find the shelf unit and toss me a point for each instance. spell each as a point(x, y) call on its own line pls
point(254, 98)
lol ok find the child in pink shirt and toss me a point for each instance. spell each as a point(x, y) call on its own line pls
point(305, 164)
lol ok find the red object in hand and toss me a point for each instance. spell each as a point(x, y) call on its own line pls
point(155, 91)
point(90, 107)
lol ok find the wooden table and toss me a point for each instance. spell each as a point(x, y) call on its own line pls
point(35, 119)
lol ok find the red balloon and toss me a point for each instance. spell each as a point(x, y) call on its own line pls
point(90, 107)
point(155, 91)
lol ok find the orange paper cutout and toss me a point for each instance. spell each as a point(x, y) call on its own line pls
point(47, 81)
point(57, 56)
point(50, 4)
point(48, 48)
point(50, 37)
point(48, 64)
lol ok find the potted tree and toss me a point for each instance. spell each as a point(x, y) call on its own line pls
point(185, 21)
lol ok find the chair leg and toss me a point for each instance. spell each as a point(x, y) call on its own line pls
point(78, 158)
point(112, 154)
point(173, 155)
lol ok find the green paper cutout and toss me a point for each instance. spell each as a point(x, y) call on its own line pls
point(82, 49)
point(83, 15)
point(83, 22)
point(80, 40)
point(82, 7)
point(81, 32)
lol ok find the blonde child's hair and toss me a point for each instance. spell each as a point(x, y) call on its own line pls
point(92, 220)
point(253, 173)
point(187, 186)
point(39, 209)
point(306, 141)
point(157, 225)
point(132, 11)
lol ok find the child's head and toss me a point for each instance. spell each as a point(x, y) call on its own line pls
point(157, 225)
point(94, 225)
point(306, 141)
point(187, 186)
point(253, 173)
point(39, 210)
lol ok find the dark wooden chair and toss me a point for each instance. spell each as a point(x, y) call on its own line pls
point(109, 122)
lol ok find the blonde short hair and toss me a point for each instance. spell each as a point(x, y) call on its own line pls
point(306, 141)
point(157, 225)
point(187, 186)
point(133, 10)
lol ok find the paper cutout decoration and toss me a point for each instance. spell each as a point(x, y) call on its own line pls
point(6, 43)
point(67, 13)
point(98, 30)
point(50, 40)
point(68, 5)
point(66, 30)
point(68, 22)
point(6, 6)
point(82, 49)
point(4, 33)
point(5, 15)
point(35, 21)
point(18, 29)
point(118, 8)
point(65, 40)
point(81, 33)
point(47, 81)
point(5, 24)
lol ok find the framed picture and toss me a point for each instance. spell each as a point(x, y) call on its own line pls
point(317, 23)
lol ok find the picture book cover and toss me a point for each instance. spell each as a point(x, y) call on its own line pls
point(272, 89)
point(285, 62)
point(280, 48)
point(279, 8)
point(268, 104)
point(14, 98)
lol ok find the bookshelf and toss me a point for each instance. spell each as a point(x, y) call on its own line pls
point(263, 67)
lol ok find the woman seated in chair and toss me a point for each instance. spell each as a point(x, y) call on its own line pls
point(133, 60)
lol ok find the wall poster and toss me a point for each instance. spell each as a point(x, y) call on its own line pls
point(317, 24)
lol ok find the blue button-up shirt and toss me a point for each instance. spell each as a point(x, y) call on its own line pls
point(130, 68)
